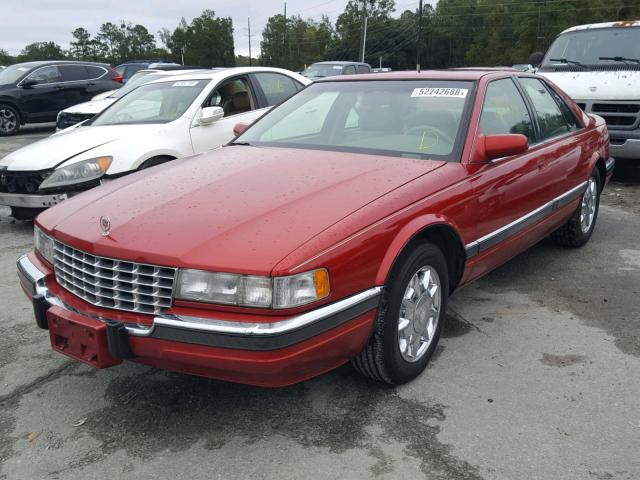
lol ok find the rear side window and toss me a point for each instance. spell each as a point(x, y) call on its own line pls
point(44, 75)
point(363, 69)
point(276, 87)
point(349, 69)
point(504, 111)
point(552, 121)
point(95, 72)
point(73, 73)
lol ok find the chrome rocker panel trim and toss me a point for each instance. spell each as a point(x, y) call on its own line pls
point(474, 248)
point(222, 333)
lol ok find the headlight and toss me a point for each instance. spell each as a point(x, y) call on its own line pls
point(43, 243)
point(252, 291)
point(80, 172)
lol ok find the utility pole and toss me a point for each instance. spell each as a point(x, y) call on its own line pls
point(419, 39)
point(364, 30)
point(249, 28)
point(284, 38)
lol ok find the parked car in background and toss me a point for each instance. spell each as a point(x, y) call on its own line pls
point(157, 122)
point(84, 111)
point(35, 92)
point(333, 229)
point(382, 70)
point(330, 69)
point(598, 65)
point(128, 69)
point(524, 67)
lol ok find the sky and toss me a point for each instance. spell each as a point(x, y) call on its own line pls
point(27, 21)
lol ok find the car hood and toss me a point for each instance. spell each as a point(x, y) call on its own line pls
point(237, 209)
point(94, 106)
point(612, 85)
point(53, 150)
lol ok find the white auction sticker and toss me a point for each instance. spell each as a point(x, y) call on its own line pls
point(440, 92)
point(191, 83)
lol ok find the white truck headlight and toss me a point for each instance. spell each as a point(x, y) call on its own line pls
point(80, 172)
point(253, 291)
point(43, 243)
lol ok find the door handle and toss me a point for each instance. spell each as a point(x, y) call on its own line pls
point(58, 87)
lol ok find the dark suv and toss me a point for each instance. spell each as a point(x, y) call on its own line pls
point(35, 92)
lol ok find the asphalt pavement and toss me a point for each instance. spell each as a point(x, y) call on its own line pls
point(537, 377)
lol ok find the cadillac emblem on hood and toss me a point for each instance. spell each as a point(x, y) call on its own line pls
point(105, 225)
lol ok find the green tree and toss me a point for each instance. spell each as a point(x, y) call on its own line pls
point(5, 58)
point(41, 51)
point(119, 43)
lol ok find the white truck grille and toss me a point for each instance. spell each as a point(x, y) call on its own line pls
point(111, 283)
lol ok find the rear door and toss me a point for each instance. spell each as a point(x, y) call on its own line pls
point(238, 99)
point(75, 85)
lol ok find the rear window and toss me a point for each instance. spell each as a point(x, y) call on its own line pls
point(95, 72)
point(363, 69)
point(413, 119)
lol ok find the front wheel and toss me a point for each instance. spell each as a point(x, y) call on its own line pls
point(409, 320)
point(9, 120)
point(579, 228)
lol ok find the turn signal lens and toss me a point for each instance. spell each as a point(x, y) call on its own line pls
point(43, 243)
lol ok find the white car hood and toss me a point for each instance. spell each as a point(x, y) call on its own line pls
point(617, 85)
point(94, 106)
point(57, 148)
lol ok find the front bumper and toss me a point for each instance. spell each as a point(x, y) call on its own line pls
point(624, 144)
point(23, 200)
point(255, 352)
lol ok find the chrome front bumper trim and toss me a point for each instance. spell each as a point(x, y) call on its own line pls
point(610, 165)
point(223, 333)
point(23, 200)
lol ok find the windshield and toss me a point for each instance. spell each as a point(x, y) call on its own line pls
point(12, 74)
point(322, 70)
point(152, 103)
point(414, 119)
point(134, 82)
point(587, 47)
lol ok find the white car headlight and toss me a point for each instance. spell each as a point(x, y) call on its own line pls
point(43, 243)
point(80, 172)
point(253, 291)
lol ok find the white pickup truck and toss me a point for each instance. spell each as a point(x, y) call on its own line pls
point(598, 65)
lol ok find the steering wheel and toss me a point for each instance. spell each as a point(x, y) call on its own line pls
point(421, 128)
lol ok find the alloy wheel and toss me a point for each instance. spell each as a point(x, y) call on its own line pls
point(419, 314)
point(8, 120)
point(589, 204)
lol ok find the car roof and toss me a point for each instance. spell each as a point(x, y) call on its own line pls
point(215, 73)
point(339, 63)
point(41, 63)
point(593, 26)
point(449, 74)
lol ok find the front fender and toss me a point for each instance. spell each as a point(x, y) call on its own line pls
point(407, 233)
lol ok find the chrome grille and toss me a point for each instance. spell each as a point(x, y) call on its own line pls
point(111, 283)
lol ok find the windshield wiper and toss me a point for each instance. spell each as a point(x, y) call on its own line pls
point(567, 61)
point(246, 144)
point(621, 59)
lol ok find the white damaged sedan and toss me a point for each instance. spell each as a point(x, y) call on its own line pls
point(164, 120)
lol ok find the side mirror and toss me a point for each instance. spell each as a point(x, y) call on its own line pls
point(499, 146)
point(239, 128)
point(28, 83)
point(210, 115)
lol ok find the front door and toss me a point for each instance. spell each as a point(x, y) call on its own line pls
point(44, 100)
point(239, 103)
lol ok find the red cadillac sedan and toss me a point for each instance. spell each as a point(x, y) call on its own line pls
point(331, 230)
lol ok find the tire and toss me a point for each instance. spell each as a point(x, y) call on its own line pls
point(383, 358)
point(9, 120)
point(152, 162)
point(578, 230)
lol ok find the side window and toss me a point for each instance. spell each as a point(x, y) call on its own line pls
point(566, 111)
point(276, 87)
point(363, 69)
point(551, 119)
point(348, 70)
point(233, 96)
point(45, 75)
point(95, 72)
point(504, 111)
point(73, 73)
